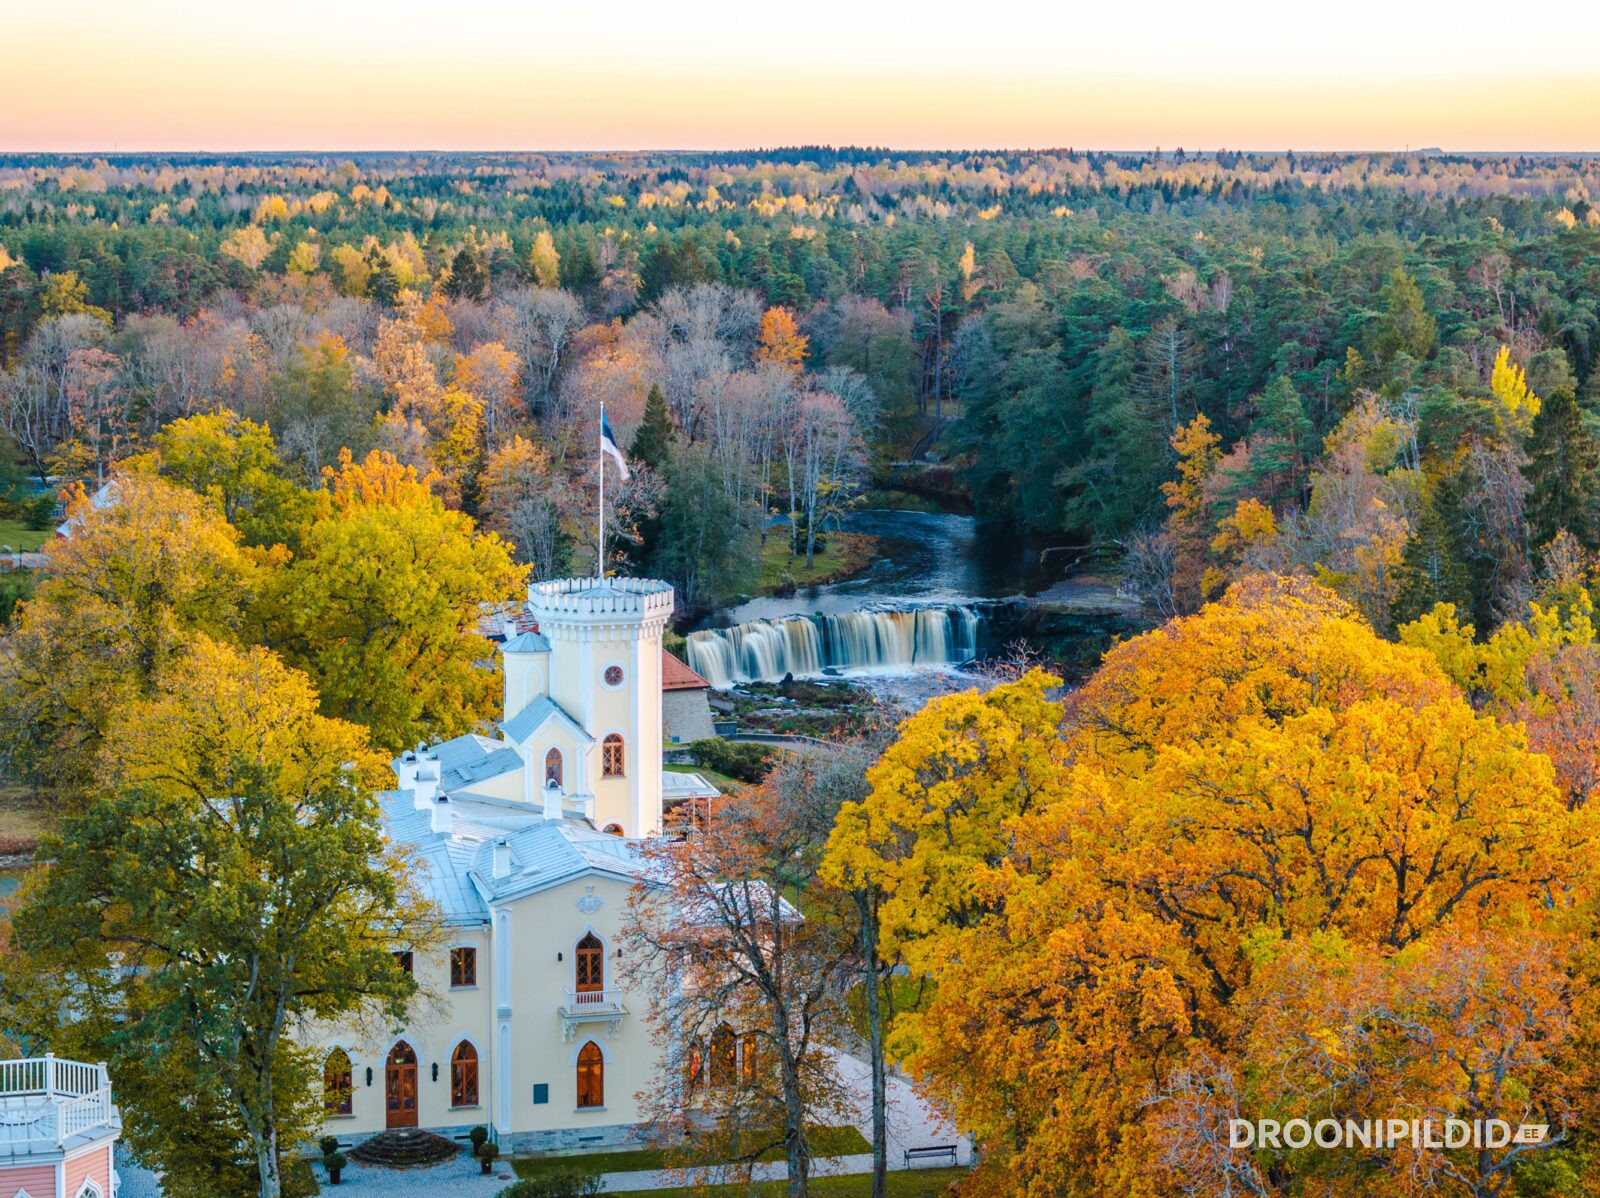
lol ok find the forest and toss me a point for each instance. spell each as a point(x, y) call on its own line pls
point(1378, 370)
point(1316, 845)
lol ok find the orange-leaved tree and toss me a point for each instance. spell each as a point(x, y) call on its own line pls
point(1136, 907)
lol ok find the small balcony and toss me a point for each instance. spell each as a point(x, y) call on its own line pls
point(580, 1007)
point(48, 1105)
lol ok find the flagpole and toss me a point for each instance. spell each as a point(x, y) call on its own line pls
point(600, 555)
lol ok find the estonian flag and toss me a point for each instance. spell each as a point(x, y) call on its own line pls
point(608, 444)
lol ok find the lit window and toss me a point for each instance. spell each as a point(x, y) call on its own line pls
point(464, 1075)
point(591, 1076)
point(463, 967)
point(724, 1052)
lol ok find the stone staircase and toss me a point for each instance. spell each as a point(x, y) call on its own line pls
point(408, 1148)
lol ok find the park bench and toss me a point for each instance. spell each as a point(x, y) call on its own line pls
point(931, 1152)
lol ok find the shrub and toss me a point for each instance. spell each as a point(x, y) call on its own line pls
point(329, 1145)
point(747, 761)
point(40, 513)
point(478, 1135)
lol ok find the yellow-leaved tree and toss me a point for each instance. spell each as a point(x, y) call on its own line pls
point(383, 603)
point(1140, 908)
point(140, 571)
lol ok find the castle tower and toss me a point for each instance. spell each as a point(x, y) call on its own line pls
point(604, 672)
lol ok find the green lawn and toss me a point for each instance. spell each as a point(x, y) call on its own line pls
point(25, 539)
point(918, 1183)
point(844, 554)
point(825, 1141)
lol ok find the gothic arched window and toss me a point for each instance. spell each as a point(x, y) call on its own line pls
point(464, 1075)
point(591, 1076)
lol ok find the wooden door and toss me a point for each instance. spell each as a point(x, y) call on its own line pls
point(400, 1087)
point(591, 968)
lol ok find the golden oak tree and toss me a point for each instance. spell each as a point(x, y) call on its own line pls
point(229, 880)
point(122, 596)
point(382, 605)
point(1097, 891)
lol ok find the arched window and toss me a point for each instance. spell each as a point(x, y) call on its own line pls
point(591, 1076)
point(724, 1052)
point(552, 768)
point(612, 829)
point(749, 1058)
point(464, 1075)
point(338, 1095)
point(90, 1189)
point(611, 760)
point(589, 967)
point(694, 1065)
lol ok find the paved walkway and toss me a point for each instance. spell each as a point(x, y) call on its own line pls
point(912, 1124)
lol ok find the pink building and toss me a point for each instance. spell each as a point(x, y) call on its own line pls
point(57, 1128)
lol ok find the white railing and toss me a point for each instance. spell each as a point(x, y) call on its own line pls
point(78, 1115)
point(46, 1102)
point(607, 1001)
point(52, 1076)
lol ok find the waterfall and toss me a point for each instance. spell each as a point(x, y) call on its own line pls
point(886, 638)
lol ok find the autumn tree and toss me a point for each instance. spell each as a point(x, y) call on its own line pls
point(235, 462)
point(1100, 892)
point(383, 603)
point(123, 595)
point(229, 881)
point(780, 340)
point(740, 979)
point(525, 499)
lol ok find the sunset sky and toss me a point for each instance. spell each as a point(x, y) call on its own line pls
point(84, 75)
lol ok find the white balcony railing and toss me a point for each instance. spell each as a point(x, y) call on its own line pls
point(594, 1000)
point(45, 1102)
point(591, 1006)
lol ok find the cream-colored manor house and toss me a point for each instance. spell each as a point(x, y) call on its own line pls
point(528, 843)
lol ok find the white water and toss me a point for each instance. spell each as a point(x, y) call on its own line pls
point(805, 645)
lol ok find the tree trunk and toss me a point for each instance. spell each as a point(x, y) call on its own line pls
point(880, 1122)
point(267, 1161)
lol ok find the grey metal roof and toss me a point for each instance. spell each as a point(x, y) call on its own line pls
point(491, 765)
point(527, 721)
point(456, 870)
point(526, 642)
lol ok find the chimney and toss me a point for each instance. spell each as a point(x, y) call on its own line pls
point(405, 770)
point(552, 800)
point(440, 820)
point(510, 629)
point(426, 783)
point(502, 858)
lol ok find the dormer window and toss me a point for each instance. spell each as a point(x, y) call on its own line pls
point(552, 768)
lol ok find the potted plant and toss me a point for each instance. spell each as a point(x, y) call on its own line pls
point(478, 1135)
point(333, 1162)
point(487, 1151)
point(328, 1145)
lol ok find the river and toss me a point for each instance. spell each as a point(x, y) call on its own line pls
point(938, 594)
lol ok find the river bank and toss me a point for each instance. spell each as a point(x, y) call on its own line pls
point(842, 555)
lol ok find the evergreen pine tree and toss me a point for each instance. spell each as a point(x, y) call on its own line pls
point(1561, 472)
point(652, 442)
point(467, 277)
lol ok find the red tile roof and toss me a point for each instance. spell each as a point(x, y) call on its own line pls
point(675, 676)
